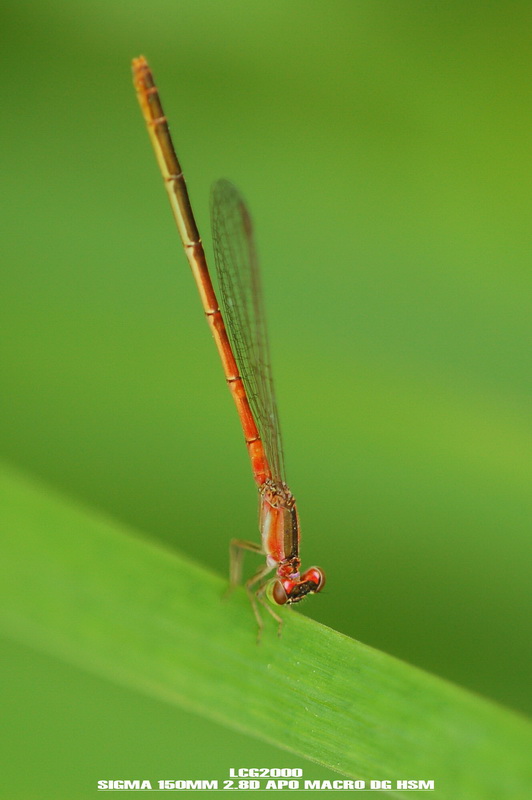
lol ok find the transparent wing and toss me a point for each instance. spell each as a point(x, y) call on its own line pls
point(243, 310)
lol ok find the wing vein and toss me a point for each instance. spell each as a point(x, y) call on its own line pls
point(243, 311)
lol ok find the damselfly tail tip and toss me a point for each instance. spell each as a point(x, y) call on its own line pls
point(139, 61)
point(140, 69)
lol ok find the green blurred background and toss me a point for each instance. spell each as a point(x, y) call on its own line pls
point(384, 151)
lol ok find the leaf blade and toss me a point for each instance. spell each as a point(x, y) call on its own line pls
point(88, 589)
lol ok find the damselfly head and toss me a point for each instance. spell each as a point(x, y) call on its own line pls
point(287, 592)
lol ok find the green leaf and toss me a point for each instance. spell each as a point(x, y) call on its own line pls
point(92, 591)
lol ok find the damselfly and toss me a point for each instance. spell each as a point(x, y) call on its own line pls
point(241, 338)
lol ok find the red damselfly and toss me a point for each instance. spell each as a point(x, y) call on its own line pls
point(241, 338)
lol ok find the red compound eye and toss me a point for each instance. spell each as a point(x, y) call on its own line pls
point(290, 591)
point(278, 593)
point(315, 575)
